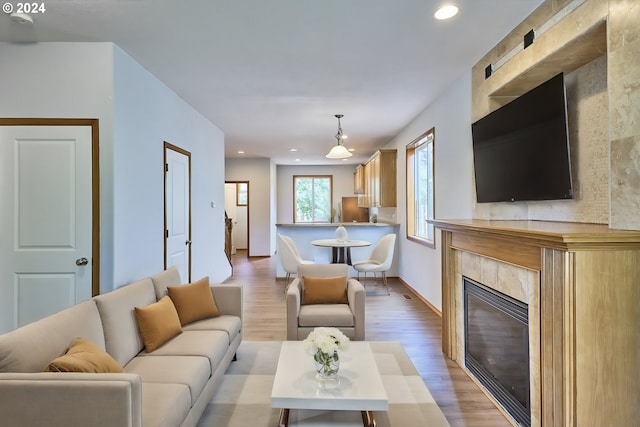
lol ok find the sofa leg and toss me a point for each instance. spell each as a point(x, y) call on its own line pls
point(235, 357)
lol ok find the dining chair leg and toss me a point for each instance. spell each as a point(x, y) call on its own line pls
point(287, 279)
point(384, 279)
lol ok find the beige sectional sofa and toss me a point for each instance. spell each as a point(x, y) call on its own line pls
point(170, 386)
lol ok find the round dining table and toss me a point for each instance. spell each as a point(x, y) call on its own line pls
point(340, 249)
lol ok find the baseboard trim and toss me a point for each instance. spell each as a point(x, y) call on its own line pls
point(420, 297)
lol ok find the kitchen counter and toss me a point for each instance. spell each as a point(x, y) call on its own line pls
point(335, 224)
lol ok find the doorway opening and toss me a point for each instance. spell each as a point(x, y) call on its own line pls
point(236, 205)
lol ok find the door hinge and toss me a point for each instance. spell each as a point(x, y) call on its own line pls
point(166, 233)
point(166, 167)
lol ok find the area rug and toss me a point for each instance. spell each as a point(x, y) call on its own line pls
point(244, 396)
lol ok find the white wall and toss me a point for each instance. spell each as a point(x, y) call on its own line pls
point(342, 186)
point(273, 206)
point(259, 173)
point(136, 114)
point(147, 113)
point(450, 114)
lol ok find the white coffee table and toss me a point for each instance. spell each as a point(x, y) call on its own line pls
point(358, 386)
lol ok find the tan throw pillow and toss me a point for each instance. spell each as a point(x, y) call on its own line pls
point(158, 323)
point(84, 356)
point(324, 290)
point(193, 301)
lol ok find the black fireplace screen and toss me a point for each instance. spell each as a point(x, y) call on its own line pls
point(497, 347)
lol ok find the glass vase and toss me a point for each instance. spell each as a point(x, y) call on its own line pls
point(327, 365)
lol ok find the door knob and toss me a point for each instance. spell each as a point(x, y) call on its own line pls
point(82, 261)
point(188, 242)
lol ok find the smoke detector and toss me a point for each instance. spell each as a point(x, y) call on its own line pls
point(21, 18)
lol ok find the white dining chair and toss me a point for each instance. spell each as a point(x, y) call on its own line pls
point(379, 260)
point(289, 256)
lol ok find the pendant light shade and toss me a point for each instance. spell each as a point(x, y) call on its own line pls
point(339, 151)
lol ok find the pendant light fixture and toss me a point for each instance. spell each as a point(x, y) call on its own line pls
point(339, 151)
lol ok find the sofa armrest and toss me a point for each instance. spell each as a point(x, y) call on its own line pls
point(356, 295)
point(70, 399)
point(294, 298)
point(228, 298)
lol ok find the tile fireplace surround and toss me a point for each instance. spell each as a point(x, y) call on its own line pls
point(582, 285)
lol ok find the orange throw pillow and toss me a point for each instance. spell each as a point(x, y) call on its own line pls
point(84, 356)
point(194, 301)
point(324, 290)
point(158, 323)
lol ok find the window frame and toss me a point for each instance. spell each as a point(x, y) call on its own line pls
point(428, 138)
point(240, 202)
point(330, 207)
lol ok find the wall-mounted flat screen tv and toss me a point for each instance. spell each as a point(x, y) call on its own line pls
point(521, 150)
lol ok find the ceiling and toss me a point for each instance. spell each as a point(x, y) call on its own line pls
point(272, 74)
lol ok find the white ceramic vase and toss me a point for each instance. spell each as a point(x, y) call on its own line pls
point(341, 234)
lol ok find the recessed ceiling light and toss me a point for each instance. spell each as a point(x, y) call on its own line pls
point(445, 12)
point(297, 160)
point(293, 149)
point(240, 152)
point(352, 149)
point(344, 160)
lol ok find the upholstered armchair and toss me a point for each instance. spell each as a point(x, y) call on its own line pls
point(329, 298)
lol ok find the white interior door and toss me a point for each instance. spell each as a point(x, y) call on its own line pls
point(45, 221)
point(240, 222)
point(177, 211)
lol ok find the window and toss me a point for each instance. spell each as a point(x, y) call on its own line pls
point(420, 189)
point(242, 193)
point(312, 198)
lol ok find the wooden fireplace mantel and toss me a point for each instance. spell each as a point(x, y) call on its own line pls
point(589, 311)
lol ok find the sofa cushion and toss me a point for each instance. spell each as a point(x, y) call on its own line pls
point(192, 371)
point(122, 337)
point(232, 325)
point(324, 290)
point(84, 356)
point(209, 344)
point(193, 301)
point(158, 322)
point(31, 347)
point(325, 315)
point(168, 277)
point(165, 404)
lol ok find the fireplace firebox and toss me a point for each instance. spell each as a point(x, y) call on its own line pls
point(497, 347)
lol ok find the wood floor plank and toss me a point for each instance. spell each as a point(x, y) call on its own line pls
point(400, 316)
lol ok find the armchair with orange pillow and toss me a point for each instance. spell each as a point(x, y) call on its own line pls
point(323, 295)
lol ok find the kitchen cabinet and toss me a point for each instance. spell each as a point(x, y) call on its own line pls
point(379, 185)
point(358, 180)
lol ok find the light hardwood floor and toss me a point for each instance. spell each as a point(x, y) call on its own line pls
point(400, 316)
